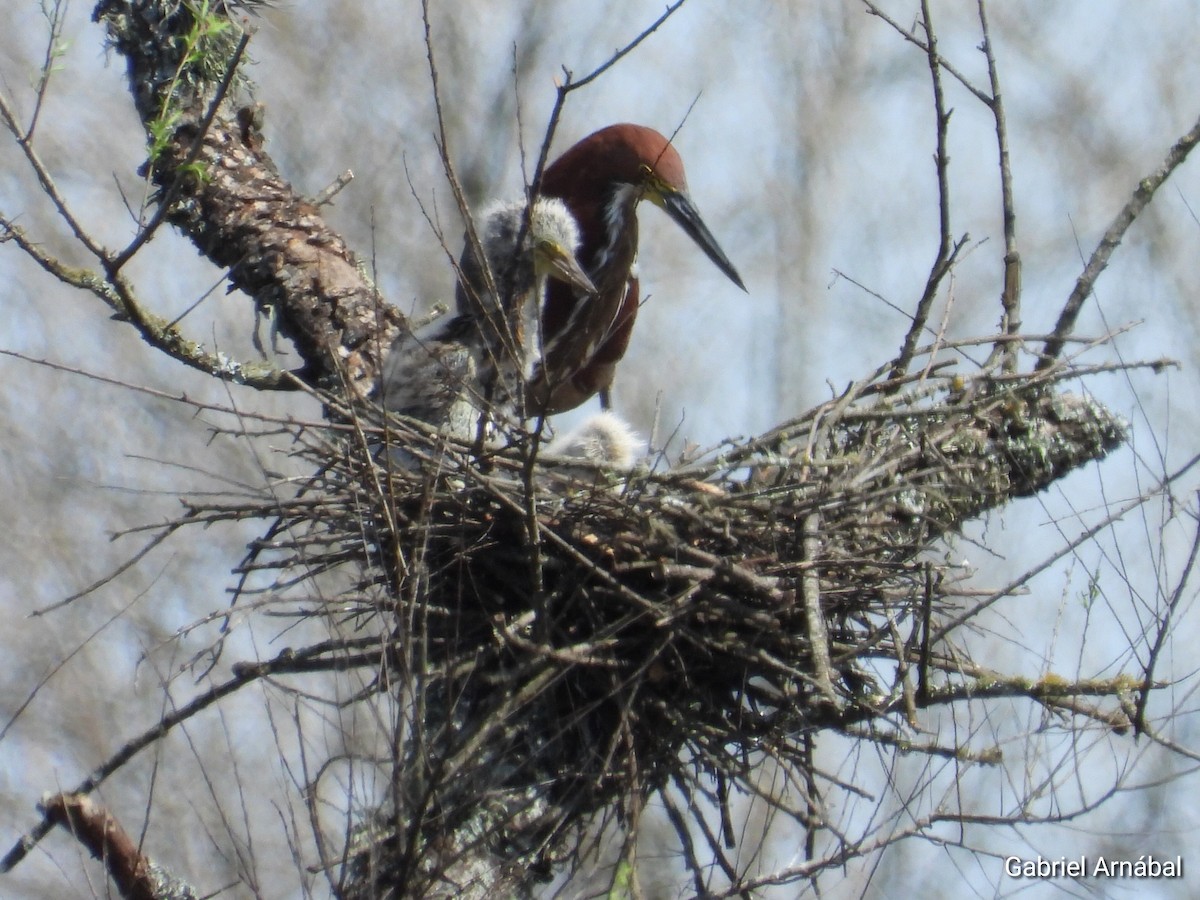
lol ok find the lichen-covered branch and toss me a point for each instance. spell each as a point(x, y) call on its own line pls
point(220, 188)
point(116, 293)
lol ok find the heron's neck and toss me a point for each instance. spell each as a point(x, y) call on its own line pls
point(620, 227)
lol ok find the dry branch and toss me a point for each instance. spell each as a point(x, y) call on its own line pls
point(219, 187)
point(135, 875)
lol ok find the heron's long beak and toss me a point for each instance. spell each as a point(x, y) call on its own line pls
point(679, 206)
point(562, 264)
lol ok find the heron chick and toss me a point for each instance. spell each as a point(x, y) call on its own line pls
point(600, 452)
point(605, 440)
point(474, 363)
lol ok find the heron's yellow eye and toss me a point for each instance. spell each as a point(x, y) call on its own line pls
point(653, 188)
point(546, 253)
point(652, 180)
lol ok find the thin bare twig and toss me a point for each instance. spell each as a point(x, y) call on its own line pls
point(46, 180)
point(1165, 627)
point(114, 763)
point(56, 16)
point(1010, 299)
point(1096, 264)
point(947, 249)
point(489, 316)
point(1087, 535)
point(569, 85)
point(912, 38)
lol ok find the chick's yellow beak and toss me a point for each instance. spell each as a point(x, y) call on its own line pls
point(560, 263)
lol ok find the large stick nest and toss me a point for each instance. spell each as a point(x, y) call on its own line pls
point(565, 638)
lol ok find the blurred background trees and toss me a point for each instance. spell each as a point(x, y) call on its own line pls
point(809, 151)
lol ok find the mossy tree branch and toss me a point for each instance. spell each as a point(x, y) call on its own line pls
point(221, 189)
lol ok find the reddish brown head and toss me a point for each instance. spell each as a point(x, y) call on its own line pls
point(617, 155)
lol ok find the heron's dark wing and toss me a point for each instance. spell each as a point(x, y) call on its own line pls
point(427, 373)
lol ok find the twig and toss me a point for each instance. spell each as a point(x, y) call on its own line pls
point(1165, 627)
point(810, 589)
point(165, 532)
point(1010, 300)
point(489, 316)
point(47, 181)
point(911, 37)
point(56, 17)
point(947, 251)
point(114, 763)
point(1096, 264)
point(686, 841)
point(1087, 535)
point(569, 85)
point(332, 190)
